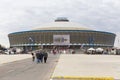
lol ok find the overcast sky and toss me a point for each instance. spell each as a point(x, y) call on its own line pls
point(19, 15)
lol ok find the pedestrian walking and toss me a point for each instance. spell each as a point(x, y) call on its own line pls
point(33, 56)
point(45, 54)
point(37, 56)
point(54, 51)
point(41, 56)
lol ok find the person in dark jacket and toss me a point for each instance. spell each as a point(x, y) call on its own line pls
point(45, 54)
point(37, 57)
point(41, 56)
point(33, 56)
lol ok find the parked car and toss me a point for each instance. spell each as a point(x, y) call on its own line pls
point(8, 52)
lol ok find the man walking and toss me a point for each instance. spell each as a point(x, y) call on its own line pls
point(33, 56)
point(45, 54)
point(41, 56)
point(37, 56)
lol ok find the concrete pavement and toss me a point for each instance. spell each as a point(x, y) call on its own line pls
point(99, 67)
point(11, 58)
point(27, 69)
point(79, 66)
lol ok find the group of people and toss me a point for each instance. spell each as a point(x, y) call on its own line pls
point(39, 56)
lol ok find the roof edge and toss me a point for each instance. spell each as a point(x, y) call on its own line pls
point(61, 31)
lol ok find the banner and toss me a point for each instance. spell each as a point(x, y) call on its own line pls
point(61, 39)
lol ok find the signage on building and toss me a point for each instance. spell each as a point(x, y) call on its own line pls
point(61, 39)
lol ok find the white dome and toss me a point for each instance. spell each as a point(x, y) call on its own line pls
point(61, 25)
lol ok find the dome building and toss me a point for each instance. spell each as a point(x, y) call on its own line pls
point(61, 33)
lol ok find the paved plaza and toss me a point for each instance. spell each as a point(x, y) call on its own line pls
point(11, 58)
point(79, 65)
point(88, 66)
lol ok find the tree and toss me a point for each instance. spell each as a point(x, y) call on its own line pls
point(2, 47)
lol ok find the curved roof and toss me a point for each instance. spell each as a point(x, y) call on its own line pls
point(61, 25)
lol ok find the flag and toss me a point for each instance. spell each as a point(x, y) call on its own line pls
point(82, 46)
point(30, 39)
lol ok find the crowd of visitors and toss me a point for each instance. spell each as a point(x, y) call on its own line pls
point(39, 56)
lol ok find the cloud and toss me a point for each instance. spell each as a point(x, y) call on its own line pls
point(18, 15)
point(117, 40)
point(4, 38)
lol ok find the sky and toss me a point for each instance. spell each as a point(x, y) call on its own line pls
point(23, 15)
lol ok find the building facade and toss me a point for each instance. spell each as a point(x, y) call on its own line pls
point(61, 33)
